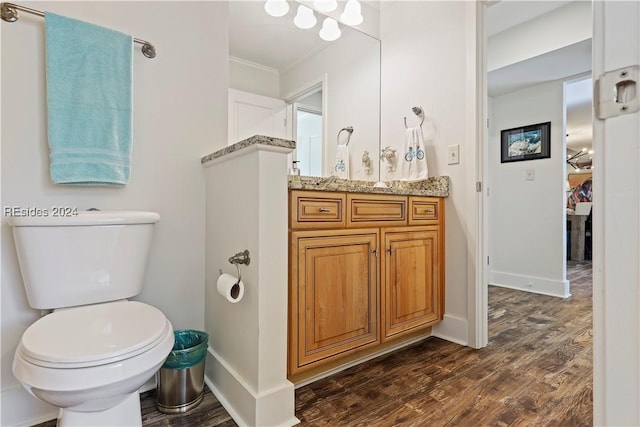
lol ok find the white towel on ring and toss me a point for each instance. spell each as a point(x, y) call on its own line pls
point(413, 158)
point(341, 168)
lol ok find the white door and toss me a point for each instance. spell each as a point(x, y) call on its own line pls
point(251, 114)
point(616, 226)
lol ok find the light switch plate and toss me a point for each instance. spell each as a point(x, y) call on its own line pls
point(530, 174)
point(453, 154)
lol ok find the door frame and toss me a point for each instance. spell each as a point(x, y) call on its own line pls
point(477, 119)
point(313, 85)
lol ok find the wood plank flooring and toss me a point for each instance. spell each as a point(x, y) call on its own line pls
point(536, 371)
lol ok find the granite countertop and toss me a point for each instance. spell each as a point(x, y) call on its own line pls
point(437, 186)
point(256, 139)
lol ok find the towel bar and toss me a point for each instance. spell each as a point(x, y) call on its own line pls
point(9, 13)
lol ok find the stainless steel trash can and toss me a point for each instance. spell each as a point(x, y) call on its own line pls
point(180, 381)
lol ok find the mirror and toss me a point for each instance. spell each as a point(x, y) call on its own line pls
point(289, 83)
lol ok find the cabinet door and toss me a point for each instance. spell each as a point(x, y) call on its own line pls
point(411, 275)
point(333, 309)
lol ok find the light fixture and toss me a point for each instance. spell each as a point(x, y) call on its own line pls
point(352, 14)
point(330, 30)
point(580, 160)
point(276, 8)
point(305, 18)
point(325, 5)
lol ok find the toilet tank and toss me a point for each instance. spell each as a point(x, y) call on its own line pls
point(93, 257)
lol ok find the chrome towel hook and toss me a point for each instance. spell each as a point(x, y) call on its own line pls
point(418, 111)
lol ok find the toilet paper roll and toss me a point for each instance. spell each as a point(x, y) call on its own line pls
point(230, 287)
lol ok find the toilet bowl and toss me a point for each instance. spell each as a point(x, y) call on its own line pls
point(90, 359)
point(90, 355)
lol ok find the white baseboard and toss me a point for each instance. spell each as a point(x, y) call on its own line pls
point(273, 407)
point(452, 328)
point(537, 285)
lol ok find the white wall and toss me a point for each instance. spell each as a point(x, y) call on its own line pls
point(425, 48)
point(352, 96)
point(559, 28)
point(180, 104)
point(246, 367)
point(527, 220)
point(255, 78)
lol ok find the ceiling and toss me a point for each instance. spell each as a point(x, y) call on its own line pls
point(502, 15)
point(272, 42)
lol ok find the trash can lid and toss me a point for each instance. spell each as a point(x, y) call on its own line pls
point(93, 335)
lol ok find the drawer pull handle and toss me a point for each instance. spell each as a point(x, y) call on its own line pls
point(325, 210)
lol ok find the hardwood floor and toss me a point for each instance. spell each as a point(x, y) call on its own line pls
point(536, 371)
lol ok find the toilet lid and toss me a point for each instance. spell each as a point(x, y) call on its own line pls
point(93, 335)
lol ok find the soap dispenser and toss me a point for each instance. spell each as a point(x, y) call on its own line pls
point(294, 170)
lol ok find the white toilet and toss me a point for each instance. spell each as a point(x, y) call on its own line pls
point(90, 355)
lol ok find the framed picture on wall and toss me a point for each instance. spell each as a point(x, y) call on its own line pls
point(525, 143)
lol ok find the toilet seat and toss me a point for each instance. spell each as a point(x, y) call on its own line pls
point(93, 335)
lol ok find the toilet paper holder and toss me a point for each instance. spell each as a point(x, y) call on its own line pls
point(237, 259)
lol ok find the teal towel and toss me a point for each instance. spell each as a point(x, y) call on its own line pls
point(89, 90)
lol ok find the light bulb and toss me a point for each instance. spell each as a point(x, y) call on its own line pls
point(305, 18)
point(330, 30)
point(352, 14)
point(276, 7)
point(325, 5)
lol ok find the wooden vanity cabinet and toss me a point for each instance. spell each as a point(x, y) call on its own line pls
point(364, 269)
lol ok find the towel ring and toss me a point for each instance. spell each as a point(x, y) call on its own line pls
point(349, 129)
point(418, 111)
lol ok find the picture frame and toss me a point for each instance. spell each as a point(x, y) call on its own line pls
point(530, 142)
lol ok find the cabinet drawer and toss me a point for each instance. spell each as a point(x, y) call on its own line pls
point(424, 210)
point(366, 210)
point(311, 209)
